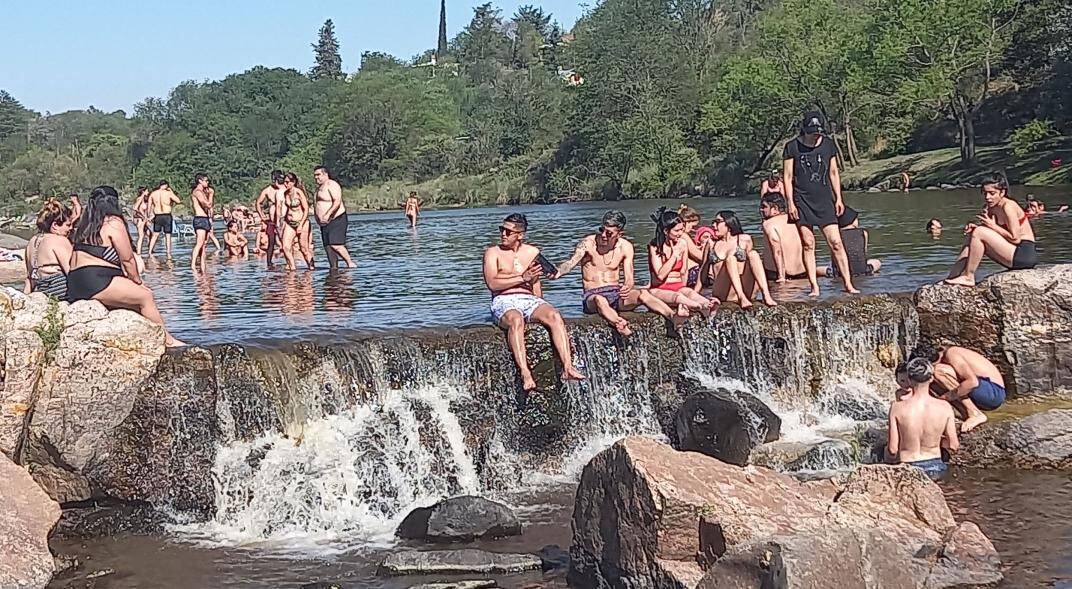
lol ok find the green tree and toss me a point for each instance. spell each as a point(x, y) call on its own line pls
point(326, 50)
point(441, 45)
point(482, 47)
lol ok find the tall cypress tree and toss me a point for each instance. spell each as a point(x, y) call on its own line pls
point(441, 50)
point(326, 49)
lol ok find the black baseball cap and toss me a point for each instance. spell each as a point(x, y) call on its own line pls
point(813, 122)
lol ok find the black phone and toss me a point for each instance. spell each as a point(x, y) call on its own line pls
point(548, 268)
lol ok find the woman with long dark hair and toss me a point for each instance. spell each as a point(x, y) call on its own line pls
point(103, 265)
point(734, 268)
point(668, 255)
point(48, 253)
point(297, 226)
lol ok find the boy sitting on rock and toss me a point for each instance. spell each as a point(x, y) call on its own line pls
point(920, 425)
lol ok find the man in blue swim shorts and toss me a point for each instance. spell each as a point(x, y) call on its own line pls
point(920, 425)
point(967, 380)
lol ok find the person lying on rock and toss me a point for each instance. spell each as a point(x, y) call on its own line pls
point(604, 257)
point(512, 273)
point(967, 380)
point(920, 425)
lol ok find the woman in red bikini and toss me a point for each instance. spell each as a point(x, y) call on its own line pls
point(1002, 232)
point(667, 255)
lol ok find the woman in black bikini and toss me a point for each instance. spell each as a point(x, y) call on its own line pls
point(48, 254)
point(103, 265)
point(1002, 232)
point(297, 222)
point(733, 265)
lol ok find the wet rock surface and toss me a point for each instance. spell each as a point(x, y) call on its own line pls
point(1039, 441)
point(472, 584)
point(460, 519)
point(27, 516)
point(457, 562)
point(648, 516)
point(1018, 319)
point(726, 425)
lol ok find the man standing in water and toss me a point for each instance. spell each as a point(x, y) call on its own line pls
point(271, 197)
point(967, 380)
point(783, 258)
point(812, 182)
point(603, 258)
point(161, 200)
point(413, 209)
point(512, 274)
point(920, 425)
point(202, 219)
point(331, 215)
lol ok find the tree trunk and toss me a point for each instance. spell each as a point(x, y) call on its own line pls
point(966, 133)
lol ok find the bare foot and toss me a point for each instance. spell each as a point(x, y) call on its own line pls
point(682, 311)
point(171, 342)
point(528, 384)
point(814, 291)
point(570, 373)
point(745, 304)
point(678, 320)
point(769, 301)
point(972, 422)
point(852, 290)
point(961, 281)
point(623, 328)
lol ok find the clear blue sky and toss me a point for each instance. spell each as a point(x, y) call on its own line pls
point(58, 55)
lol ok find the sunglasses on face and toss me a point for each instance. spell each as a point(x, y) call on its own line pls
point(609, 231)
point(507, 230)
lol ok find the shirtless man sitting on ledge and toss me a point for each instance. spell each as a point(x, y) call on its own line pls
point(603, 258)
point(512, 274)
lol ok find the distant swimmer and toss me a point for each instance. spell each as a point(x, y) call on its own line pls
point(161, 200)
point(297, 229)
point(331, 215)
point(965, 378)
point(906, 181)
point(855, 241)
point(270, 208)
point(772, 184)
point(142, 213)
point(668, 255)
point(262, 242)
point(512, 274)
point(812, 182)
point(413, 208)
point(783, 258)
point(202, 206)
point(604, 258)
point(920, 425)
point(236, 242)
point(934, 227)
point(1002, 232)
point(734, 268)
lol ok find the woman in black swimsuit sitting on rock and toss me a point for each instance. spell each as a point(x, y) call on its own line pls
point(733, 267)
point(103, 266)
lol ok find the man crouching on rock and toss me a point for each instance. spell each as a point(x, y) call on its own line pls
point(604, 257)
point(512, 274)
point(966, 379)
point(921, 425)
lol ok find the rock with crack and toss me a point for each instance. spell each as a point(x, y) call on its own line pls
point(726, 425)
point(27, 516)
point(1039, 441)
point(460, 519)
point(648, 516)
point(413, 562)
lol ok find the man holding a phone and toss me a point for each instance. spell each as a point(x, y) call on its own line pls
point(604, 257)
point(512, 272)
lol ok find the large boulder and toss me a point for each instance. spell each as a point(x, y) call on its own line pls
point(1039, 441)
point(27, 515)
point(726, 425)
point(460, 519)
point(1017, 319)
point(648, 516)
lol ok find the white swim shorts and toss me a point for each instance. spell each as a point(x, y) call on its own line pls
point(525, 304)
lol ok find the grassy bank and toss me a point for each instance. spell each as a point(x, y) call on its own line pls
point(943, 166)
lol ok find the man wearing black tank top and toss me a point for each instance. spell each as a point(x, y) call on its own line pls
point(812, 182)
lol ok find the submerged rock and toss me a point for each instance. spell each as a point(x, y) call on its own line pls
point(471, 584)
point(725, 425)
point(1018, 319)
point(1040, 441)
point(647, 516)
point(27, 516)
point(826, 455)
point(414, 562)
point(459, 519)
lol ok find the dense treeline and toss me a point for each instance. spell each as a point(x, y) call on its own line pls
point(643, 97)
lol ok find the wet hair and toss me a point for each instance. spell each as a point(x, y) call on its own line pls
point(296, 179)
point(52, 212)
point(613, 218)
point(997, 179)
point(142, 190)
point(919, 370)
point(688, 214)
point(732, 223)
point(664, 221)
point(103, 202)
point(232, 223)
point(197, 179)
point(930, 224)
point(323, 168)
point(278, 176)
point(774, 199)
point(774, 176)
point(412, 193)
point(901, 368)
point(517, 219)
point(927, 351)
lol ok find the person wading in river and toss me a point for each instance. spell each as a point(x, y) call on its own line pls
point(512, 274)
point(412, 207)
point(331, 216)
point(920, 425)
point(270, 206)
point(161, 200)
point(812, 182)
point(202, 204)
point(604, 257)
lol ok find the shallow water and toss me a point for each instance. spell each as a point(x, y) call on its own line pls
point(431, 276)
point(1024, 514)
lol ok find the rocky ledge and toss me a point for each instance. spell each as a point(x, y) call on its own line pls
point(647, 516)
point(27, 516)
point(1038, 442)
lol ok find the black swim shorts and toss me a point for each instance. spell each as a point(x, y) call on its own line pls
point(202, 224)
point(334, 233)
point(163, 224)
